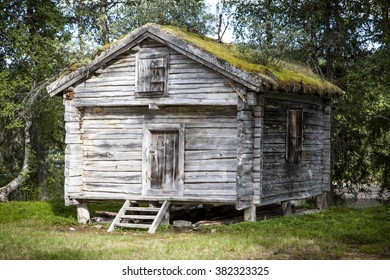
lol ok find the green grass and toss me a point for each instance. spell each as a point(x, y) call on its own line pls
point(41, 230)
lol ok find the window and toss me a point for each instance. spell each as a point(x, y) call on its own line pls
point(294, 135)
point(152, 72)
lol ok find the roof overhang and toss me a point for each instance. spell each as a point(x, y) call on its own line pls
point(254, 81)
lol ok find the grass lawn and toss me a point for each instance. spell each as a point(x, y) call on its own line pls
point(49, 230)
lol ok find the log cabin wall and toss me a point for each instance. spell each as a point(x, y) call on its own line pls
point(189, 83)
point(105, 123)
point(306, 175)
point(113, 138)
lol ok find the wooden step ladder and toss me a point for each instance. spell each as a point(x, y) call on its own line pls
point(139, 217)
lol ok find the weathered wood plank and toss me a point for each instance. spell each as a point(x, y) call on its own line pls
point(121, 101)
point(211, 154)
point(112, 177)
point(113, 166)
point(311, 100)
point(211, 165)
point(118, 196)
point(111, 188)
point(112, 142)
point(73, 138)
point(210, 177)
point(211, 192)
point(109, 155)
point(210, 186)
point(117, 219)
point(291, 195)
point(159, 217)
point(212, 132)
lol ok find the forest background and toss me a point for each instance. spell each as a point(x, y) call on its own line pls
point(346, 42)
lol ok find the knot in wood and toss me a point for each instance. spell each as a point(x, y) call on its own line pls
point(69, 94)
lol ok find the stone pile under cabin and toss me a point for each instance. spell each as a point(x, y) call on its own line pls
point(165, 117)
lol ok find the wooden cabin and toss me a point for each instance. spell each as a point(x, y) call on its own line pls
point(164, 115)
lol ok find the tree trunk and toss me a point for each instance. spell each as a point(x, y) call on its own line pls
point(42, 167)
point(385, 7)
point(268, 23)
point(328, 41)
point(103, 19)
point(18, 181)
point(80, 27)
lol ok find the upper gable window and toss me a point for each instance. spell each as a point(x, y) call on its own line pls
point(294, 135)
point(152, 72)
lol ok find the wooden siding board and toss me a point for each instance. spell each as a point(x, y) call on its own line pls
point(109, 161)
point(281, 179)
point(189, 82)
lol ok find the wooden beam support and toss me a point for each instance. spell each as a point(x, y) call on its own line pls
point(286, 208)
point(321, 201)
point(250, 214)
point(83, 213)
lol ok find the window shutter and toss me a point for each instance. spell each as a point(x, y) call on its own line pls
point(294, 136)
point(152, 74)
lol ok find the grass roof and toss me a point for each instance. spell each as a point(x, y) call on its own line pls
point(285, 75)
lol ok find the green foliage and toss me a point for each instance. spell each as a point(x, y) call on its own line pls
point(362, 131)
point(99, 22)
point(32, 50)
point(315, 32)
point(189, 14)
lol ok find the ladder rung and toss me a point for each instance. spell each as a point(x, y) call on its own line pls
point(133, 225)
point(141, 217)
point(145, 209)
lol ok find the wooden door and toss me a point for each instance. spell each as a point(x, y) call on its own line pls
point(163, 160)
point(164, 157)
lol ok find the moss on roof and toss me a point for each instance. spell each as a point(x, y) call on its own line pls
point(288, 76)
point(285, 76)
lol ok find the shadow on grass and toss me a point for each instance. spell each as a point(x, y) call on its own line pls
point(59, 209)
